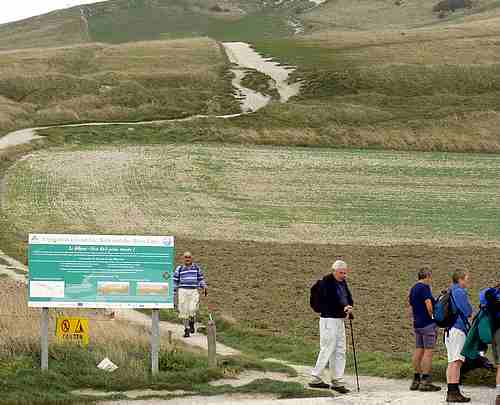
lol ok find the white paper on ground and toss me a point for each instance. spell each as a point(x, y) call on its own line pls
point(107, 365)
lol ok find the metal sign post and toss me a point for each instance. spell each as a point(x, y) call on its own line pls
point(44, 339)
point(212, 343)
point(155, 340)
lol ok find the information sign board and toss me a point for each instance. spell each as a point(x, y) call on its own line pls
point(100, 271)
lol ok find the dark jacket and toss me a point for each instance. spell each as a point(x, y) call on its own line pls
point(330, 301)
point(493, 307)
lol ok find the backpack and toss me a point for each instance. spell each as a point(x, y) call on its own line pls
point(443, 312)
point(315, 297)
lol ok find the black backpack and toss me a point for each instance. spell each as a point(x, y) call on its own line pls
point(315, 297)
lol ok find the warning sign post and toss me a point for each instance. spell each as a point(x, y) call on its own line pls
point(74, 330)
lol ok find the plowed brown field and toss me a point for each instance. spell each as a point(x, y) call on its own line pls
point(266, 285)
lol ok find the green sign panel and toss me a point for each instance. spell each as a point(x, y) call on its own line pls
point(100, 271)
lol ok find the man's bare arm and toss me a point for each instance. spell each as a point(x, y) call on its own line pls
point(430, 309)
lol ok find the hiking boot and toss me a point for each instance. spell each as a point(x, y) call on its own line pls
point(186, 333)
point(191, 327)
point(414, 385)
point(456, 397)
point(340, 389)
point(318, 383)
point(428, 386)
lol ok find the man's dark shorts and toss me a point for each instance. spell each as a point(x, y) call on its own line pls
point(426, 337)
point(496, 347)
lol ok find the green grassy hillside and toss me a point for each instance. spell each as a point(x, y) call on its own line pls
point(434, 88)
point(260, 194)
point(58, 28)
point(118, 21)
point(142, 80)
point(392, 14)
point(126, 20)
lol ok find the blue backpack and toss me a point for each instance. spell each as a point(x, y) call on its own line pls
point(443, 311)
point(446, 312)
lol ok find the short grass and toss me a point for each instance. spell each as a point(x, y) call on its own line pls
point(261, 194)
point(118, 23)
point(140, 81)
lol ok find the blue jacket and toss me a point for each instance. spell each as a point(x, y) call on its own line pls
point(462, 304)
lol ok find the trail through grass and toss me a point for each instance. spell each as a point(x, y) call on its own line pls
point(133, 82)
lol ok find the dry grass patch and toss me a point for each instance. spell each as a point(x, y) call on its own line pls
point(109, 338)
point(164, 79)
point(390, 14)
point(62, 27)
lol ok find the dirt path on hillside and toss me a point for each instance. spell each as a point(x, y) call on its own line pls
point(240, 54)
point(243, 55)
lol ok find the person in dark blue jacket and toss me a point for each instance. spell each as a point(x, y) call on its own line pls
point(456, 335)
point(422, 304)
point(490, 298)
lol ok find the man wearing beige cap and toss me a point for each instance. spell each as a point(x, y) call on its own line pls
point(335, 302)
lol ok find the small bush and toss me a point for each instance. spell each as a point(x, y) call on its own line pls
point(173, 360)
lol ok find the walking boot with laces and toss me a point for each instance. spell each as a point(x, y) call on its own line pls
point(456, 397)
point(415, 384)
point(339, 387)
point(428, 386)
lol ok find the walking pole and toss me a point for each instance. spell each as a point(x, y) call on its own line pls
point(354, 352)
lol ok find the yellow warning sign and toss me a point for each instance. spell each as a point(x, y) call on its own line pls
point(75, 330)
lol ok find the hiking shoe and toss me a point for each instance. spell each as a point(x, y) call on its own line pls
point(456, 397)
point(427, 386)
point(415, 385)
point(317, 383)
point(191, 326)
point(186, 333)
point(340, 389)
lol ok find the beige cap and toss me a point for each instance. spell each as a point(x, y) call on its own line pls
point(339, 265)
